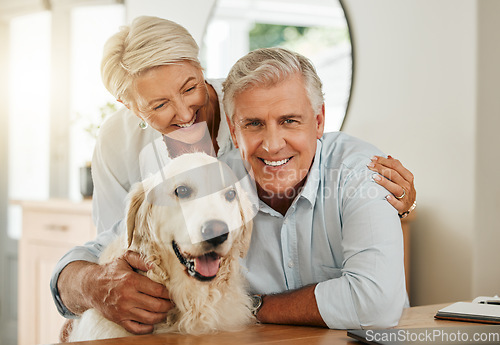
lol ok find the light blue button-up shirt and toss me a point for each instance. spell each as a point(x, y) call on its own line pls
point(341, 233)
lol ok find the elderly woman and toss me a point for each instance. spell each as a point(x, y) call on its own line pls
point(152, 68)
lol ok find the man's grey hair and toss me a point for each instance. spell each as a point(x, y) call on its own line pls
point(146, 43)
point(267, 67)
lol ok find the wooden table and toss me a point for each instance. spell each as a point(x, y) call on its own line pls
point(416, 317)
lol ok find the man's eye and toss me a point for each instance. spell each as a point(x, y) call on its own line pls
point(290, 121)
point(191, 88)
point(230, 195)
point(183, 192)
point(253, 124)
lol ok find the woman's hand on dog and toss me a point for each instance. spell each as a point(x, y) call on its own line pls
point(398, 180)
point(128, 298)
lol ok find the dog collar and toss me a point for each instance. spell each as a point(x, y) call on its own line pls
point(189, 264)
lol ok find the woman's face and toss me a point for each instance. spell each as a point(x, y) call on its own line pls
point(173, 100)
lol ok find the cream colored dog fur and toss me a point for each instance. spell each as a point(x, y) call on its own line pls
point(171, 210)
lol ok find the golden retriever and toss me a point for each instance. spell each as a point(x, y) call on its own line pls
point(193, 222)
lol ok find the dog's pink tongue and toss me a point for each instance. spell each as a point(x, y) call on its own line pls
point(207, 265)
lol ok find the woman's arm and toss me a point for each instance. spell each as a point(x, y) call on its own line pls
point(110, 176)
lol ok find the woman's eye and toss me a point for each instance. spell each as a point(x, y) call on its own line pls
point(159, 107)
point(191, 88)
point(183, 192)
point(230, 195)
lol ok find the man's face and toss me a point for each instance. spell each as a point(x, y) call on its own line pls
point(276, 130)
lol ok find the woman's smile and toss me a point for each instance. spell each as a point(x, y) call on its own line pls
point(188, 124)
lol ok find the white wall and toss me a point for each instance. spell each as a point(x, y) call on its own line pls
point(418, 95)
point(486, 277)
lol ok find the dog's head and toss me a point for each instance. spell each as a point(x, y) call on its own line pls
point(195, 208)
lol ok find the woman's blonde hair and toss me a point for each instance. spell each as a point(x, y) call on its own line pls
point(147, 43)
point(267, 67)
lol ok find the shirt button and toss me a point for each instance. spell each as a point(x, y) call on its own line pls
point(290, 263)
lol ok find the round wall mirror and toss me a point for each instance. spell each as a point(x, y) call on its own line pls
point(317, 29)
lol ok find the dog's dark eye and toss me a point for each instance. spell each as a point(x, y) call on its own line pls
point(183, 192)
point(230, 195)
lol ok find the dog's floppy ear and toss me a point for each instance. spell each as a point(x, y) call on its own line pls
point(136, 198)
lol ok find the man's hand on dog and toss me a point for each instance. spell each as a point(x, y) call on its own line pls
point(122, 295)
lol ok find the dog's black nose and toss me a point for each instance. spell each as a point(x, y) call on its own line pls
point(214, 232)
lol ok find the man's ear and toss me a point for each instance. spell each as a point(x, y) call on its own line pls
point(320, 122)
point(231, 130)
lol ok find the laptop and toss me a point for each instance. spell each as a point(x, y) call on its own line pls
point(481, 334)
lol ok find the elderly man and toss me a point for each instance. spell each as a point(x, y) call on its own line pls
point(327, 247)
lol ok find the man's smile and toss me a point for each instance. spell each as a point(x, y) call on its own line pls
point(275, 163)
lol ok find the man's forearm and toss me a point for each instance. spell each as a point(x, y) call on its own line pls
point(296, 307)
point(72, 284)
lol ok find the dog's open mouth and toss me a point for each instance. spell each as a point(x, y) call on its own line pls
point(203, 268)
